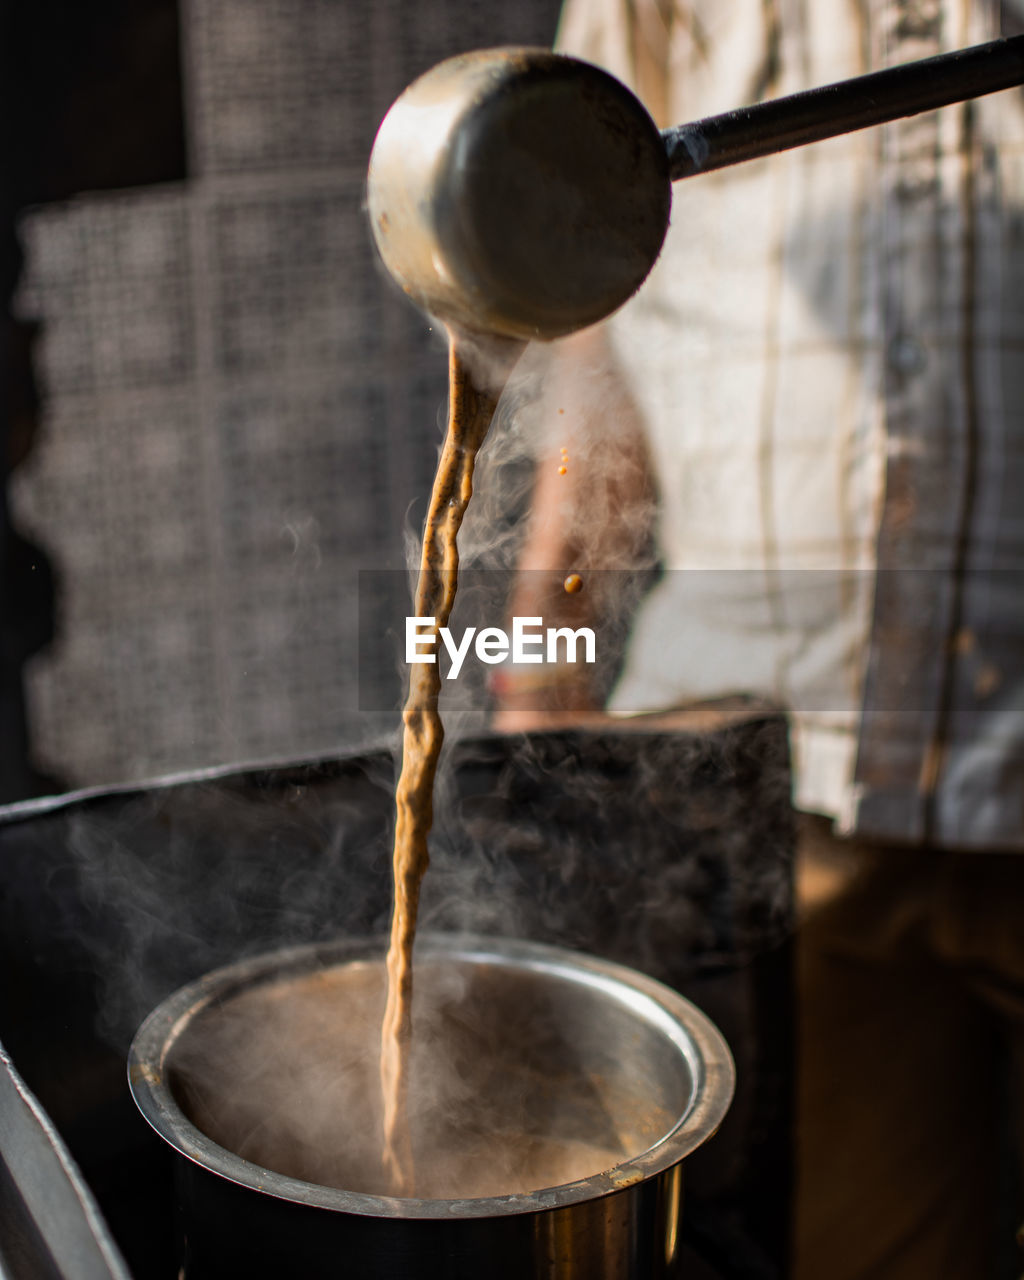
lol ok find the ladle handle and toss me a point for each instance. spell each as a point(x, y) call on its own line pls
point(833, 109)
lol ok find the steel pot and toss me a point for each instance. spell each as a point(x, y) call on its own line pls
point(557, 1097)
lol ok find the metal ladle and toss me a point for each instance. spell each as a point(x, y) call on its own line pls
point(527, 194)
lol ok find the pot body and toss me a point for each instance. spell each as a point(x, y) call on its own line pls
point(264, 1078)
point(227, 1230)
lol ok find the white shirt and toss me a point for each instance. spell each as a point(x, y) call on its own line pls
point(829, 361)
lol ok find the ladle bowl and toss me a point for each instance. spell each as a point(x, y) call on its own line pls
point(519, 192)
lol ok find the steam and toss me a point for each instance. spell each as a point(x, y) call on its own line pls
point(528, 528)
point(565, 394)
point(667, 849)
point(155, 888)
point(517, 1085)
point(648, 890)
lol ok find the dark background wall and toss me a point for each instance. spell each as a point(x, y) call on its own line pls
point(91, 99)
point(218, 355)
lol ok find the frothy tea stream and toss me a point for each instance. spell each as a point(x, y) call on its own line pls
point(470, 411)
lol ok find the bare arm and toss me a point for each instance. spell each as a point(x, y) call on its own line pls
point(591, 511)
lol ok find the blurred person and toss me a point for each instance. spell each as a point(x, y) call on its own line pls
point(816, 404)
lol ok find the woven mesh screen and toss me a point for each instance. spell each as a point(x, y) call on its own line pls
point(241, 412)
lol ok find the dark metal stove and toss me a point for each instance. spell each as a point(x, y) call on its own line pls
point(670, 851)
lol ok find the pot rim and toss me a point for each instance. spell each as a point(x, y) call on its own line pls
point(695, 1036)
